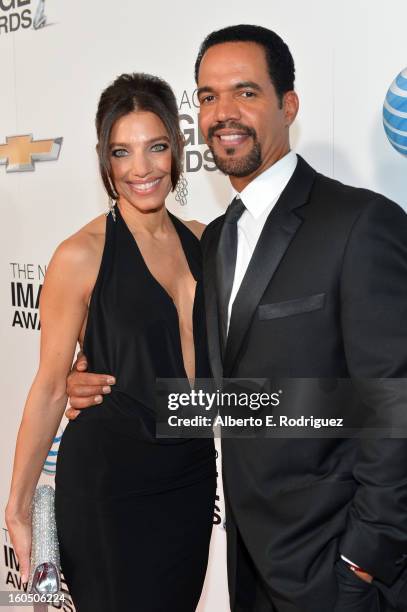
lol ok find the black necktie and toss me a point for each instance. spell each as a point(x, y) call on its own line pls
point(226, 263)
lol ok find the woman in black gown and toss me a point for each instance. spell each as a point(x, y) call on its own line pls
point(134, 512)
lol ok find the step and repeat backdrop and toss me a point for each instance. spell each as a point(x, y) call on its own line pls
point(55, 59)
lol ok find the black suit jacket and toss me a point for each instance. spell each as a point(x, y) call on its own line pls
point(325, 295)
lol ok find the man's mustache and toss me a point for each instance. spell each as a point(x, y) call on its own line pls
point(231, 125)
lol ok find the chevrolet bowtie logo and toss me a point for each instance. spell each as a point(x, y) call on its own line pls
point(20, 152)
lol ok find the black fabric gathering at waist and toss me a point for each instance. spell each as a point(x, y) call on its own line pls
point(105, 453)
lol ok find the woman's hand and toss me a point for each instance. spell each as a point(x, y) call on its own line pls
point(19, 528)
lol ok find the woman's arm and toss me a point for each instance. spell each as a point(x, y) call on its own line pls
point(63, 307)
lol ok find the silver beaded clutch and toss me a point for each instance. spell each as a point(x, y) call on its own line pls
point(45, 576)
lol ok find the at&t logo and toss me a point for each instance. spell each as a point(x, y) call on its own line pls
point(51, 460)
point(395, 113)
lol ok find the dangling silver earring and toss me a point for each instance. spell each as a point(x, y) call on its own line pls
point(112, 201)
point(112, 204)
point(181, 190)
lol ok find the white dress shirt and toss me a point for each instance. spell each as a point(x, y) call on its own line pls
point(259, 198)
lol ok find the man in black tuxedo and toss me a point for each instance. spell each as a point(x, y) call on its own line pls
point(304, 278)
point(318, 290)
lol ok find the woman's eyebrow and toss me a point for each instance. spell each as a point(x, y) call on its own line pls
point(149, 141)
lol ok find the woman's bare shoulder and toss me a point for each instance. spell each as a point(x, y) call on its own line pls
point(84, 248)
point(196, 227)
point(95, 230)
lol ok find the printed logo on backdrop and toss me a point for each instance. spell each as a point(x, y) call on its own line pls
point(12, 578)
point(18, 15)
point(217, 514)
point(19, 153)
point(197, 155)
point(50, 463)
point(395, 113)
point(25, 290)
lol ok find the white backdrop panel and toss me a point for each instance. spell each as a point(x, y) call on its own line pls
point(346, 56)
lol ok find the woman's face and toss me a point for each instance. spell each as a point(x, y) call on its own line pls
point(140, 157)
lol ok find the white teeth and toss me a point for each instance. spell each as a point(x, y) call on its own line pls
point(144, 186)
point(231, 137)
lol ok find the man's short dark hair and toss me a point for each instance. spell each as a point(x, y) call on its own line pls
point(280, 62)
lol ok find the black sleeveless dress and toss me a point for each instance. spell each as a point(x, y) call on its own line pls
point(134, 512)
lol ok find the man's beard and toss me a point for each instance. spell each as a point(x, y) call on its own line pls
point(244, 166)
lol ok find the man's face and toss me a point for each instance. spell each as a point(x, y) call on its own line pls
point(241, 118)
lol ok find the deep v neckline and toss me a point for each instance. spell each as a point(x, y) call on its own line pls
point(176, 223)
point(184, 237)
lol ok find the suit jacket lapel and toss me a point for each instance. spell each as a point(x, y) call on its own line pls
point(279, 229)
point(211, 302)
